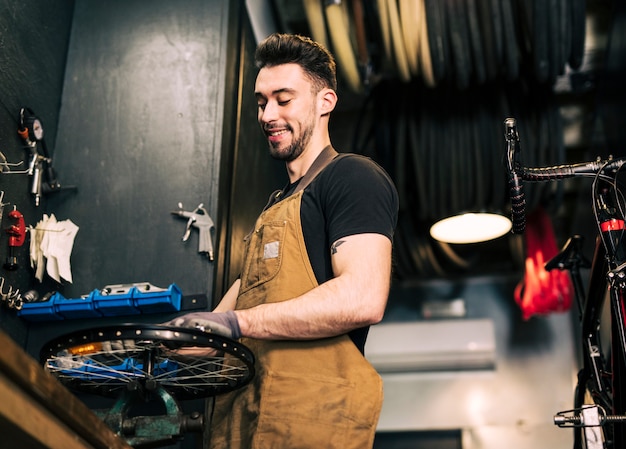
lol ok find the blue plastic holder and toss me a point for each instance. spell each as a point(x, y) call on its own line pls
point(83, 307)
point(41, 310)
point(111, 304)
point(150, 301)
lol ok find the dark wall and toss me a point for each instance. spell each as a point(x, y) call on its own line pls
point(140, 131)
point(33, 47)
point(159, 108)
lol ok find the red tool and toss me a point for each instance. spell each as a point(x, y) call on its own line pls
point(17, 235)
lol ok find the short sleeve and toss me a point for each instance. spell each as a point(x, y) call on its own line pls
point(358, 197)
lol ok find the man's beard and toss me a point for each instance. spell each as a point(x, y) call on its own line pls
point(293, 151)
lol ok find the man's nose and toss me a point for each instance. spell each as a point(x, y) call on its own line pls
point(269, 113)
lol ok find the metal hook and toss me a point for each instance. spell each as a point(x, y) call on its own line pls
point(15, 300)
point(5, 166)
point(5, 296)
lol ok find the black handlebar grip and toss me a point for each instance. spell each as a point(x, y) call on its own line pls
point(516, 183)
point(518, 203)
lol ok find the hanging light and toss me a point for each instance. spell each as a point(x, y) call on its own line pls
point(471, 227)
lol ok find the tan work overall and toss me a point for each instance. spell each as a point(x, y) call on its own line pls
point(315, 394)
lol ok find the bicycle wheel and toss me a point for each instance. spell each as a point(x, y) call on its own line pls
point(107, 361)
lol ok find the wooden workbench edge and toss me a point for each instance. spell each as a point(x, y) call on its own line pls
point(26, 372)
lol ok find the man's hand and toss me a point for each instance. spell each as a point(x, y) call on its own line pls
point(225, 324)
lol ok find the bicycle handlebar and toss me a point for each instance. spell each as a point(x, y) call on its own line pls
point(517, 173)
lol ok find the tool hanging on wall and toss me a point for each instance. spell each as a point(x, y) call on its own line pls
point(198, 218)
point(17, 235)
point(44, 180)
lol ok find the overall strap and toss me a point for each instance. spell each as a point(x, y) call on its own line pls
point(321, 161)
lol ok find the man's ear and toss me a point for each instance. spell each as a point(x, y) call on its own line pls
point(328, 100)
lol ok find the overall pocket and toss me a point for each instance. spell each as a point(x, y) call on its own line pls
point(264, 254)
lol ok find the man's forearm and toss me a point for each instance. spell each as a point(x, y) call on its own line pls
point(326, 311)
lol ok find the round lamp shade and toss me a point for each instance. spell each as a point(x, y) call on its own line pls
point(470, 228)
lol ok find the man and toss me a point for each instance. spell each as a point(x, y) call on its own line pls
point(316, 274)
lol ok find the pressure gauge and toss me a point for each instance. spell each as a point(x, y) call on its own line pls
point(30, 129)
point(35, 130)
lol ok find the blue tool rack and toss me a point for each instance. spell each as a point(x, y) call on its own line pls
point(102, 303)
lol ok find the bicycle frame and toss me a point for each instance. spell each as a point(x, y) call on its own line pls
point(599, 412)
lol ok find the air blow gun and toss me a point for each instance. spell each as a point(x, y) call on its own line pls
point(198, 218)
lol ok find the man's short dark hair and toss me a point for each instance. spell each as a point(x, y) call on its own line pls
point(316, 61)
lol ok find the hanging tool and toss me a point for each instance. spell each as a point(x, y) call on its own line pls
point(17, 235)
point(44, 178)
point(198, 218)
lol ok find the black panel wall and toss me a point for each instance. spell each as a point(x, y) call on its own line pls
point(139, 131)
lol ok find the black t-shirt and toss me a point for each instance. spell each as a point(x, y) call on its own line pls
point(352, 195)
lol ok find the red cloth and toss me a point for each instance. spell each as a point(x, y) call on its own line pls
point(541, 292)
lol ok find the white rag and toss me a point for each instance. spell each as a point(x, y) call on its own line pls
point(52, 241)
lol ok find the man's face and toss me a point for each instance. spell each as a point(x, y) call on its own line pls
point(286, 109)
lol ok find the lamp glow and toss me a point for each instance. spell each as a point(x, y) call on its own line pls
point(470, 228)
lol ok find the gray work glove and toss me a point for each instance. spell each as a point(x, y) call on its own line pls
point(221, 323)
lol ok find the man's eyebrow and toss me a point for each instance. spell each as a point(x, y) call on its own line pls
point(276, 92)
